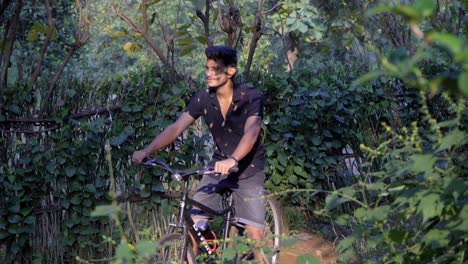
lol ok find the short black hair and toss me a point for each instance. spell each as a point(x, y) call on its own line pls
point(226, 54)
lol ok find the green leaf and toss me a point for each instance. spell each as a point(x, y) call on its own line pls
point(348, 191)
point(32, 36)
point(242, 248)
point(423, 163)
point(437, 238)
point(424, 7)
point(430, 206)
point(90, 188)
point(463, 226)
point(76, 199)
point(332, 201)
point(146, 248)
point(451, 42)
point(13, 229)
point(14, 208)
point(283, 159)
point(201, 40)
point(292, 179)
point(123, 251)
point(316, 140)
point(119, 140)
point(300, 171)
point(277, 178)
point(463, 83)
point(51, 167)
point(70, 171)
point(307, 259)
point(408, 12)
point(29, 219)
point(187, 50)
point(289, 242)
point(229, 254)
point(89, 230)
point(377, 10)
point(105, 210)
point(327, 133)
point(70, 222)
point(3, 223)
point(3, 234)
point(397, 235)
point(453, 138)
point(14, 219)
point(346, 244)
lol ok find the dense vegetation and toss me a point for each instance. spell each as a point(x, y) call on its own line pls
point(365, 122)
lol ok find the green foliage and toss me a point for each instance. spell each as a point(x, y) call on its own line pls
point(416, 199)
point(411, 209)
point(413, 184)
point(69, 168)
point(321, 114)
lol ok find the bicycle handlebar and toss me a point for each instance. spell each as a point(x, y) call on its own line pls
point(180, 175)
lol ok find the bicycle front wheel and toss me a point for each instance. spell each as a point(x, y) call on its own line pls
point(171, 250)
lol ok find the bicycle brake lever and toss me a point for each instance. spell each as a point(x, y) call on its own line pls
point(211, 169)
point(148, 161)
point(176, 176)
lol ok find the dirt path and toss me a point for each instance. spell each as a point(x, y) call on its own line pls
point(308, 244)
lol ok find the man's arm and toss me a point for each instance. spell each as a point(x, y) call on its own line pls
point(252, 129)
point(164, 138)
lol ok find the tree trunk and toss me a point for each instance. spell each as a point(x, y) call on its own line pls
point(258, 32)
point(8, 51)
point(205, 19)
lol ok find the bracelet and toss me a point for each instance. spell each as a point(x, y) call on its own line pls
point(235, 159)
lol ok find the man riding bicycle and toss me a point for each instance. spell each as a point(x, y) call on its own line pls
point(233, 113)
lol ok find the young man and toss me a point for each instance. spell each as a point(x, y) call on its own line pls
point(233, 113)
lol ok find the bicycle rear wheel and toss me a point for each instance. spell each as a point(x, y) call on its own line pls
point(171, 250)
point(273, 228)
point(272, 234)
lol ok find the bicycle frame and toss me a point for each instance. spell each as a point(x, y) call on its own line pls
point(186, 222)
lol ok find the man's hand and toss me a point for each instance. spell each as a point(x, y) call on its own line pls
point(224, 166)
point(139, 155)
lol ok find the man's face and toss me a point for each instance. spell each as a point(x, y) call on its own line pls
point(217, 74)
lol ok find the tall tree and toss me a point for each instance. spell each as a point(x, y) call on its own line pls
point(7, 49)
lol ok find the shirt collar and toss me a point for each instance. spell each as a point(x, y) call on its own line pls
point(236, 96)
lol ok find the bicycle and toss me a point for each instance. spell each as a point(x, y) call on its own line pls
point(176, 244)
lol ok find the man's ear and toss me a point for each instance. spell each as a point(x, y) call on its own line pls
point(231, 71)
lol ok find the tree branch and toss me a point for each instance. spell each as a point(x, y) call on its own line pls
point(3, 6)
point(51, 25)
point(143, 31)
point(205, 19)
point(83, 20)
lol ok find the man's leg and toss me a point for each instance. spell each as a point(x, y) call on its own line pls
point(208, 195)
point(250, 209)
point(256, 234)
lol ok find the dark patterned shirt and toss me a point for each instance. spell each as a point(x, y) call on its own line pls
point(246, 102)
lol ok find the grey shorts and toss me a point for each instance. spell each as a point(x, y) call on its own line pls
point(247, 193)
